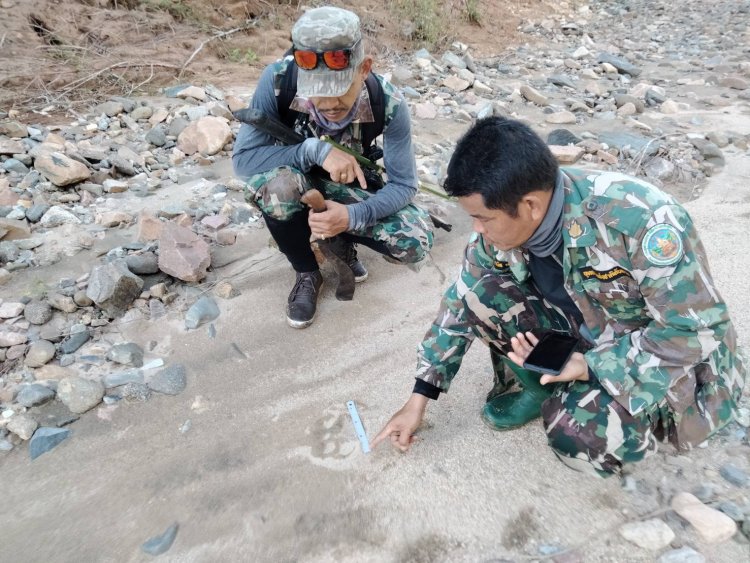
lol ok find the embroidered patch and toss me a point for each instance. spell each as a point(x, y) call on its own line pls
point(606, 276)
point(662, 245)
point(501, 265)
point(575, 230)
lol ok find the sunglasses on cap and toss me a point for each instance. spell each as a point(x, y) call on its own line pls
point(337, 59)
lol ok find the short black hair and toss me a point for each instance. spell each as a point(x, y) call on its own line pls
point(503, 160)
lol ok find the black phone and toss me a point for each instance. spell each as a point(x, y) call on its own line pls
point(551, 353)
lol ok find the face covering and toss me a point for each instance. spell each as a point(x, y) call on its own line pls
point(332, 127)
point(548, 235)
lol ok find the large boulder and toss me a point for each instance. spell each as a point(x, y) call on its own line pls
point(207, 136)
point(61, 170)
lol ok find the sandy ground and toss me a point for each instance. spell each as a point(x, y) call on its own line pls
point(271, 470)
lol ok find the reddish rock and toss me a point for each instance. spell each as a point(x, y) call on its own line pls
point(226, 237)
point(7, 196)
point(61, 170)
point(215, 221)
point(12, 229)
point(183, 254)
point(149, 227)
point(207, 136)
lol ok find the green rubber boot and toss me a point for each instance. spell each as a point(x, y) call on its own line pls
point(512, 410)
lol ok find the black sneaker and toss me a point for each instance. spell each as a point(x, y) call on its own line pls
point(303, 299)
point(347, 251)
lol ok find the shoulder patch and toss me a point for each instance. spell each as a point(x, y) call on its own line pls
point(662, 245)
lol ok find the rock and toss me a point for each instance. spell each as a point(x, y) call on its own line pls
point(215, 222)
point(712, 525)
point(157, 136)
point(620, 64)
point(7, 196)
point(207, 136)
point(177, 126)
point(52, 371)
point(12, 229)
point(183, 254)
point(136, 392)
point(567, 154)
point(670, 107)
point(225, 290)
point(172, 380)
point(8, 338)
point(112, 186)
point(561, 80)
point(34, 394)
point(39, 353)
point(59, 169)
point(192, 92)
point(149, 227)
point(627, 109)
point(637, 143)
point(16, 166)
point(453, 61)
point(4, 276)
point(23, 426)
point(113, 287)
point(11, 309)
point(561, 117)
point(35, 213)
point(732, 510)
point(709, 151)
point(128, 353)
point(110, 219)
point(79, 394)
point(683, 555)
point(112, 380)
point(734, 475)
point(11, 147)
point(56, 216)
point(455, 83)
point(734, 82)
point(425, 110)
point(37, 312)
point(110, 108)
point(659, 168)
point(79, 335)
point(202, 311)
point(90, 151)
point(161, 543)
point(534, 96)
point(144, 263)
point(14, 130)
point(45, 439)
point(651, 534)
point(141, 112)
point(61, 302)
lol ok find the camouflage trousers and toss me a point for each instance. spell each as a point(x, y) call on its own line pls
point(586, 428)
point(406, 236)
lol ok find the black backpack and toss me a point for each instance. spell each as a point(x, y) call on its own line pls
point(370, 131)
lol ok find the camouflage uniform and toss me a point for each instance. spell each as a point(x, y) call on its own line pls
point(664, 353)
point(406, 234)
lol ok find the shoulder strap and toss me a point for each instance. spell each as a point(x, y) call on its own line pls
point(287, 92)
point(377, 100)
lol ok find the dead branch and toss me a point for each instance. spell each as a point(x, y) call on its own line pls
point(249, 24)
point(81, 81)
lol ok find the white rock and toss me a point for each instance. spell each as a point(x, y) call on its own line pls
point(192, 92)
point(425, 111)
point(561, 117)
point(11, 309)
point(23, 426)
point(580, 52)
point(650, 534)
point(670, 107)
point(207, 136)
point(56, 216)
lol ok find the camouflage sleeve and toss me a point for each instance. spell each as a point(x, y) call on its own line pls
point(688, 317)
point(440, 354)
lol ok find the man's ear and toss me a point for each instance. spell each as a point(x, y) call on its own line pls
point(365, 67)
point(536, 203)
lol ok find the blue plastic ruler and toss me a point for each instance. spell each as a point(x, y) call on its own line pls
point(358, 428)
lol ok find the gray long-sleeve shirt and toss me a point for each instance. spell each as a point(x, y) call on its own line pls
point(255, 152)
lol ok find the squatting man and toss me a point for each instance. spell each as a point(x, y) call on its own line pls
point(324, 86)
point(604, 257)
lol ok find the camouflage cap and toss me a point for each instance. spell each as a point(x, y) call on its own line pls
point(325, 29)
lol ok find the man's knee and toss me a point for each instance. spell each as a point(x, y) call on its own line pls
point(599, 446)
point(277, 192)
point(406, 243)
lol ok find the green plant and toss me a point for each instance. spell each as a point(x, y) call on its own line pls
point(176, 8)
point(471, 9)
point(428, 17)
point(248, 56)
